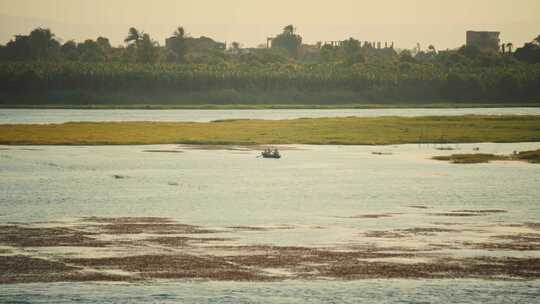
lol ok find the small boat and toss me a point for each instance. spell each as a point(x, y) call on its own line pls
point(270, 154)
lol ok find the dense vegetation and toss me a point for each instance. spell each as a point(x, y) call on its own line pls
point(37, 69)
point(323, 131)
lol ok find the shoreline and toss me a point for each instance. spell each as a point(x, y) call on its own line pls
point(363, 106)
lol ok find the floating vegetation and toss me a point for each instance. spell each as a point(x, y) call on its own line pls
point(457, 214)
point(445, 149)
point(512, 246)
point(109, 220)
point(163, 151)
point(402, 233)
point(136, 253)
point(418, 206)
point(480, 211)
point(182, 241)
point(382, 153)
point(368, 216)
point(21, 236)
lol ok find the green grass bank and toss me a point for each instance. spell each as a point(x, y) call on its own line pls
point(320, 131)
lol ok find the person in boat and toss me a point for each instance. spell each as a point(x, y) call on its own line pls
point(267, 153)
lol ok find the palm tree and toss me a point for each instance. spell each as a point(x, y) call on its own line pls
point(178, 44)
point(289, 30)
point(180, 32)
point(147, 50)
point(133, 35)
point(510, 45)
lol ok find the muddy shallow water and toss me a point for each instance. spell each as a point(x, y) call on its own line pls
point(367, 224)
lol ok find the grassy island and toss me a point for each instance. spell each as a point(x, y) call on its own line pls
point(477, 158)
point(321, 131)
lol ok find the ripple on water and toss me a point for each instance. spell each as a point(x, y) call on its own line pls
point(374, 291)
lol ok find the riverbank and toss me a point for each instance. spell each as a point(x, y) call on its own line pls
point(253, 106)
point(319, 131)
point(254, 98)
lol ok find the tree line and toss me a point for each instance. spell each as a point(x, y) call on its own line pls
point(38, 62)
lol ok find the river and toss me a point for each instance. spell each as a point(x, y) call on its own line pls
point(324, 196)
point(43, 116)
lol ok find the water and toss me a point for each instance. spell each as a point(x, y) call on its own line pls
point(42, 116)
point(372, 291)
point(219, 188)
point(312, 186)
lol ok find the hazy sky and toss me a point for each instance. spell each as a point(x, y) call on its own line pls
point(439, 22)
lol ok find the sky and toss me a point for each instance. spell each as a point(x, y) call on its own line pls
point(442, 23)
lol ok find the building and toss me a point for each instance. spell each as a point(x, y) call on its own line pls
point(484, 40)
